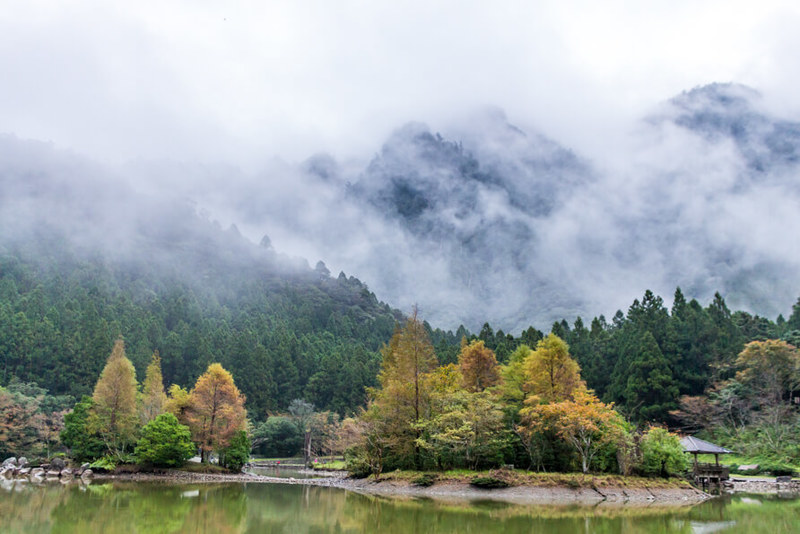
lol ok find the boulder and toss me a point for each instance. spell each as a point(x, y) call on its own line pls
point(83, 468)
point(6, 472)
point(58, 463)
point(25, 471)
point(12, 461)
point(87, 473)
point(53, 473)
point(37, 472)
point(66, 473)
point(22, 462)
point(748, 467)
point(783, 479)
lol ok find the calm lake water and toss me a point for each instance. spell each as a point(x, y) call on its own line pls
point(108, 508)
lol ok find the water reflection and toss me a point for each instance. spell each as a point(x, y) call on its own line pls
point(255, 508)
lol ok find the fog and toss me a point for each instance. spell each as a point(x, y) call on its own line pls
point(515, 163)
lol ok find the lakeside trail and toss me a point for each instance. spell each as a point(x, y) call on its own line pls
point(449, 491)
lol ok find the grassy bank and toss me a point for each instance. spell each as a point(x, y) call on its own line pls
point(525, 478)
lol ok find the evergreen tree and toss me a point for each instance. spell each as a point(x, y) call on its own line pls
point(650, 392)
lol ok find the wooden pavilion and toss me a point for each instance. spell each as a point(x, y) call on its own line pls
point(706, 473)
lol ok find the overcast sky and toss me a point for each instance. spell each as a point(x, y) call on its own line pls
point(245, 81)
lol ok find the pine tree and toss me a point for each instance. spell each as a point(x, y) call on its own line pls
point(650, 391)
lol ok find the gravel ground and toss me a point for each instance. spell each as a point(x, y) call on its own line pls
point(449, 491)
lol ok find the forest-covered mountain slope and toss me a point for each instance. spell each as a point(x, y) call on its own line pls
point(84, 259)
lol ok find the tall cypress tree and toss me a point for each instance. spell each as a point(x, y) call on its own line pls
point(650, 392)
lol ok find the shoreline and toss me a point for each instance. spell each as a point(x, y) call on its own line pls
point(447, 490)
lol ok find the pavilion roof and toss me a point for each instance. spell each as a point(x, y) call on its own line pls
point(698, 446)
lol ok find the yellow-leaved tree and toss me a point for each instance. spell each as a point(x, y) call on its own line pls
point(215, 411)
point(153, 396)
point(114, 413)
point(398, 407)
point(552, 373)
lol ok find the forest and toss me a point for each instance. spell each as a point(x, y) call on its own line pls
point(305, 342)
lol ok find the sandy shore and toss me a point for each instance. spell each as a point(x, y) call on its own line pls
point(450, 491)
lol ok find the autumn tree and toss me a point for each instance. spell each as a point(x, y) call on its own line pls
point(114, 415)
point(583, 422)
point(153, 396)
point(17, 423)
point(216, 410)
point(400, 402)
point(177, 403)
point(552, 373)
point(770, 369)
point(479, 367)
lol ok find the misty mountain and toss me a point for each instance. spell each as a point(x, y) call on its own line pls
point(484, 222)
point(493, 223)
point(85, 258)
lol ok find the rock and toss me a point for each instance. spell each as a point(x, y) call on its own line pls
point(6, 472)
point(53, 473)
point(25, 471)
point(83, 468)
point(12, 461)
point(37, 472)
point(783, 480)
point(22, 462)
point(58, 463)
point(87, 473)
point(749, 467)
point(67, 472)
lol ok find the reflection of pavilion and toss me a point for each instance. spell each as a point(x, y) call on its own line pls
point(706, 473)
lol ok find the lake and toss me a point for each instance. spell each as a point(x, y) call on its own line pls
point(139, 507)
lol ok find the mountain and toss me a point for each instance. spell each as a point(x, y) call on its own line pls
point(493, 223)
point(487, 222)
point(84, 258)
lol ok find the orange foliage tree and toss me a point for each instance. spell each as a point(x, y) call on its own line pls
point(479, 367)
point(216, 410)
point(584, 422)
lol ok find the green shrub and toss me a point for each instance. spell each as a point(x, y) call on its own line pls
point(235, 455)
point(106, 463)
point(356, 464)
point(488, 483)
point(83, 445)
point(662, 454)
point(165, 442)
point(424, 480)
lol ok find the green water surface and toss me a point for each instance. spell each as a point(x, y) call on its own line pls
point(135, 507)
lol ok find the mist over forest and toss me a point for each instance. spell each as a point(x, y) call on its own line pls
point(479, 222)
